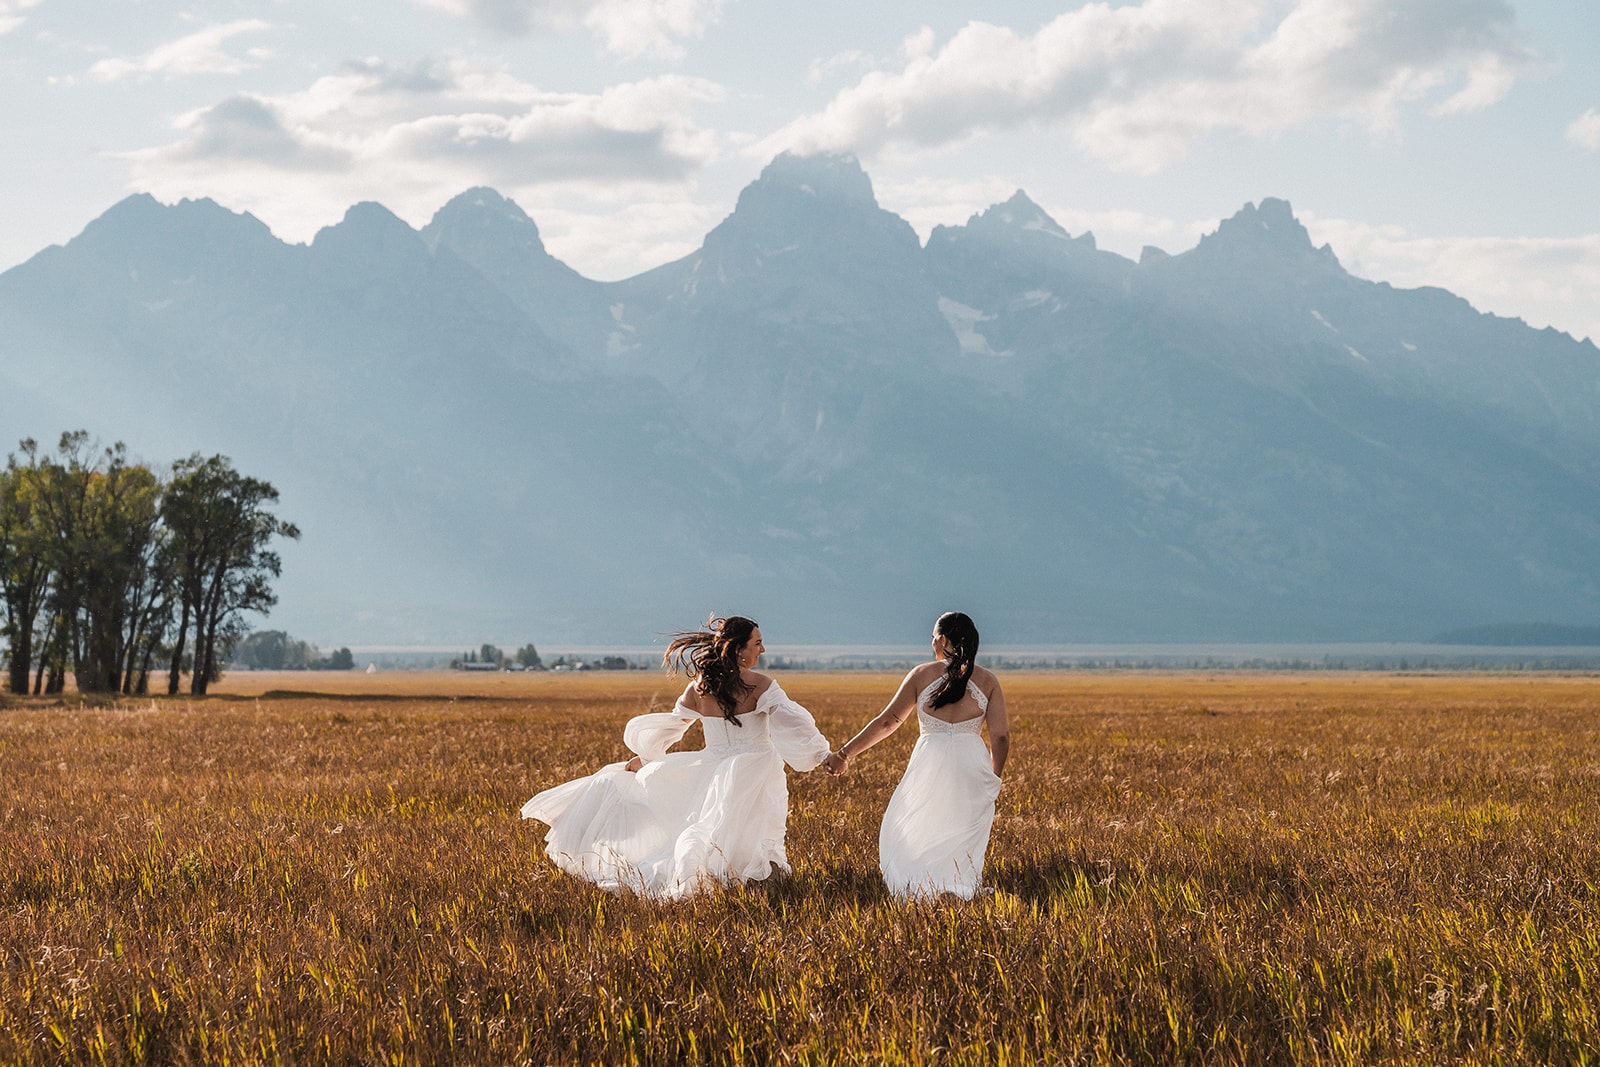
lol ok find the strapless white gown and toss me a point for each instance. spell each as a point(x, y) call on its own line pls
point(686, 820)
point(936, 828)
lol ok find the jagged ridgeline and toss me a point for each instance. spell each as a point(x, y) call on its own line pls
point(817, 420)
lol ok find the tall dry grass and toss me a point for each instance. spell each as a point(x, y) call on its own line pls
point(1238, 868)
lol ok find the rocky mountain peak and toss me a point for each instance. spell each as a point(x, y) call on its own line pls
point(1266, 230)
point(822, 204)
point(372, 232)
point(366, 219)
point(482, 215)
point(826, 176)
point(142, 221)
point(1019, 213)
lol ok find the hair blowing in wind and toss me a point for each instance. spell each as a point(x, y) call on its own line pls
point(711, 657)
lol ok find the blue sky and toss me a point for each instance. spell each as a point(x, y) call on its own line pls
point(1431, 142)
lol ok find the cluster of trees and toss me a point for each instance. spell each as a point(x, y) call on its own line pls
point(604, 663)
point(526, 657)
point(111, 569)
point(275, 650)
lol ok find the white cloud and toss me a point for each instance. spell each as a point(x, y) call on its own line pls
point(1136, 85)
point(1545, 281)
point(413, 137)
point(627, 27)
point(651, 27)
point(821, 70)
point(1584, 132)
point(516, 17)
point(200, 52)
point(11, 13)
point(919, 44)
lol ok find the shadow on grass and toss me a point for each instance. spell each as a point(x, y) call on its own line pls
point(1044, 878)
point(374, 698)
point(835, 884)
point(844, 885)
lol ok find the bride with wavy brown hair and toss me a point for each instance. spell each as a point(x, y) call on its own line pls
point(669, 824)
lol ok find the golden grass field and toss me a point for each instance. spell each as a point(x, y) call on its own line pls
point(1231, 868)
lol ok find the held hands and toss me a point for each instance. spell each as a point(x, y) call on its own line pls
point(834, 764)
point(634, 764)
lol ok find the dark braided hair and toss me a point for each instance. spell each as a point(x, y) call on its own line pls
point(711, 658)
point(962, 637)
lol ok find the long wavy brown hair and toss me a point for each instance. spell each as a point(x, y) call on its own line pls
point(961, 634)
point(711, 658)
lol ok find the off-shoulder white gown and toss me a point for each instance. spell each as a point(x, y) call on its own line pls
point(936, 828)
point(685, 820)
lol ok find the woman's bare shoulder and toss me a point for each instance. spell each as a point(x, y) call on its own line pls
point(759, 683)
point(987, 680)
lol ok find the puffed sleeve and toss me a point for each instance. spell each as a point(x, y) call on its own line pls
point(794, 731)
point(652, 734)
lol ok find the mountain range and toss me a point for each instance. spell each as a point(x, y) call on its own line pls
point(819, 420)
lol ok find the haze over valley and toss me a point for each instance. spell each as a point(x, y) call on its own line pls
point(820, 421)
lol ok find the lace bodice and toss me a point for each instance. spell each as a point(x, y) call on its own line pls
point(930, 724)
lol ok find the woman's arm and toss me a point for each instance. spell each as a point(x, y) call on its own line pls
point(999, 729)
point(887, 722)
point(650, 735)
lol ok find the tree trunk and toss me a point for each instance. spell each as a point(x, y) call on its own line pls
point(208, 616)
point(21, 656)
point(131, 653)
point(144, 665)
point(197, 673)
point(176, 673)
point(44, 656)
point(200, 679)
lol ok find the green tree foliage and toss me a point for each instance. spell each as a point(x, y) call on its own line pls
point(99, 558)
point(222, 529)
point(275, 650)
point(341, 659)
point(490, 654)
point(84, 568)
point(24, 564)
point(528, 656)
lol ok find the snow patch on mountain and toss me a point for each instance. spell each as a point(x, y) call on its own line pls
point(964, 322)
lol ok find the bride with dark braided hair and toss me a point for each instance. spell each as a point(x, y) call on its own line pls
point(669, 824)
point(936, 828)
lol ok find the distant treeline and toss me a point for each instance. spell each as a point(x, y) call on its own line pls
point(111, 569)
point(491, 657)
point(275, 650)
point(1524, 635)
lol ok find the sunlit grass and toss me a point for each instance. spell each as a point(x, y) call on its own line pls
point(1230, 868)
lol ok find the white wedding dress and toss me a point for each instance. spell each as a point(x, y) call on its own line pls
point(685, 820)
point(936, 828)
